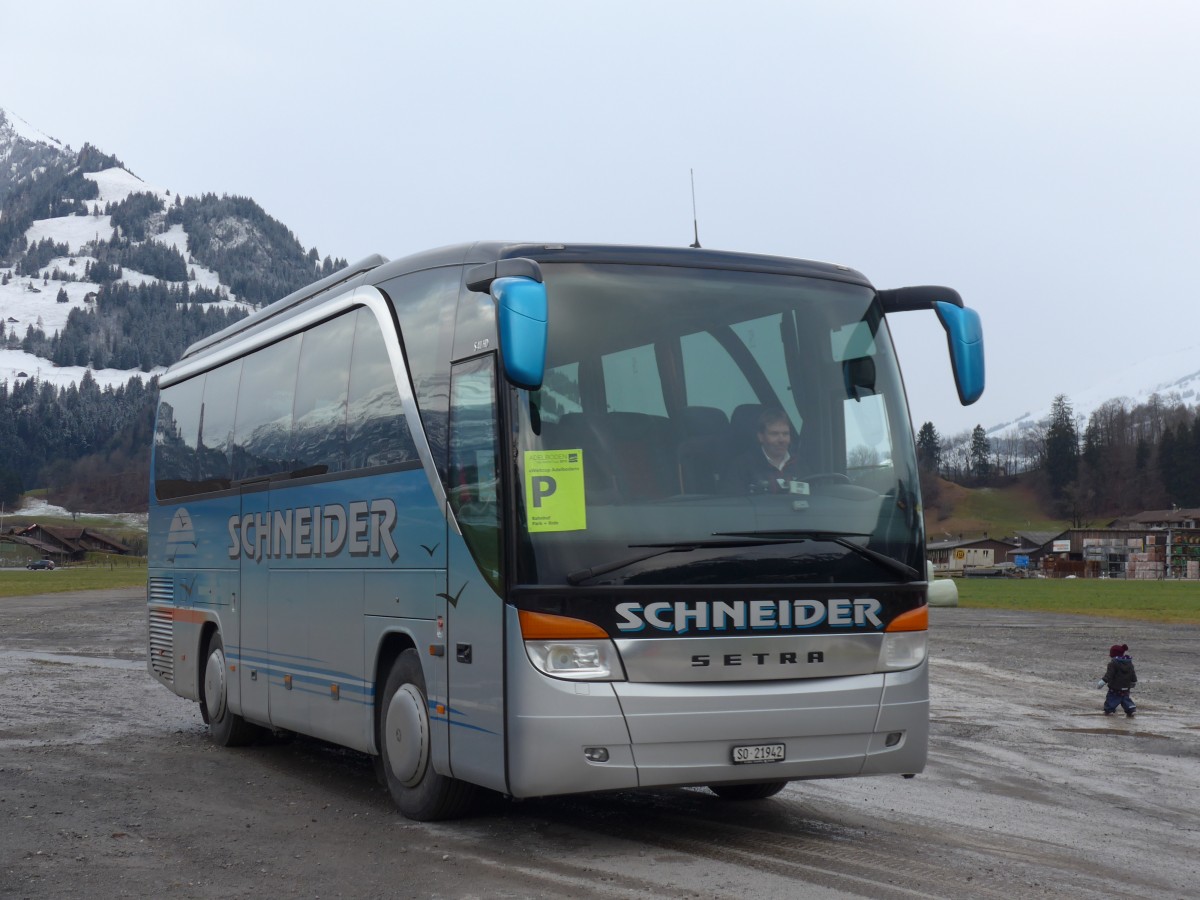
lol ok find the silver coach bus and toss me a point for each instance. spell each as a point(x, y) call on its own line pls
point(499, 516)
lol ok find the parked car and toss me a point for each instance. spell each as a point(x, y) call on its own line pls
point(41, 564)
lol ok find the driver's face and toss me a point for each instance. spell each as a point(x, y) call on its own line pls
point(775, 439)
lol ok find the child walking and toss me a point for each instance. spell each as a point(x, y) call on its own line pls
point(1120, 678)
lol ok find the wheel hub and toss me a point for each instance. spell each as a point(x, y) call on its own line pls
point(214, 685)
point(406, 735)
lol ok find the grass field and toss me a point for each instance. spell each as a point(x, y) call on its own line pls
point(1154, 601)
point(22, 582)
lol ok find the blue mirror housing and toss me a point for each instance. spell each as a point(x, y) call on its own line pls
point(964, 335)
point(522, 314)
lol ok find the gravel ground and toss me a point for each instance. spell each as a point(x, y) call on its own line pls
point(109, 787)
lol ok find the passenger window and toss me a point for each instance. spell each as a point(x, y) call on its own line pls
point(263, 430)
point(632, 383)
point(711, 377)
point(216, 424)
point(377, 432)
point(175, 436)
point(762, 338)
point(423, 302)
point(319, 416)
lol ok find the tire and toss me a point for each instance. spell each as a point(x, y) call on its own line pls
point(226, 728)
point(405, 748)
point(759, 791)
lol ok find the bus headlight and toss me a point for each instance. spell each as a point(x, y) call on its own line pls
point(902, 650)
point(576, 660)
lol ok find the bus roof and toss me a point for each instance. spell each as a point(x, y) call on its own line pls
point(376, 269)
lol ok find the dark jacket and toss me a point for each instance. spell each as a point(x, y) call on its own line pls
point(1120, 675)
point(752, 473)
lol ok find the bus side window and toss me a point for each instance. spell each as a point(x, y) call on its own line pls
point(377, 433)
point(264, 417)
point(424, 303)
point(474, 463)
point(216, 425)
point(175, 437)
point(319, 417)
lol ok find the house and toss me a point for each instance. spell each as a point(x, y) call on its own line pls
point(62, 543)
point(960, 554)
point(1032, 547)
point(1161, 519)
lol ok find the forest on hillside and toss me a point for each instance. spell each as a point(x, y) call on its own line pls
point(90, 448)
point(1125, 458)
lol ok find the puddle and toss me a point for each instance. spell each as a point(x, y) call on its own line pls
point(65, 659)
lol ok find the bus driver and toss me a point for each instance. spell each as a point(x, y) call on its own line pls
point(770, 467)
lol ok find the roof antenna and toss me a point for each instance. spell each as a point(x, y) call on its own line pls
point(695, 225)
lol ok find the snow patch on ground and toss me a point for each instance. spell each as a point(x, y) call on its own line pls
point(34, 508)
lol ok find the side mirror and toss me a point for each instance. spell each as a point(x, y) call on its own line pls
point(964, 336)
point(522, 318)
point(964, 331)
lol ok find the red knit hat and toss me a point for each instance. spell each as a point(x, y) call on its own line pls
point(1118, 649)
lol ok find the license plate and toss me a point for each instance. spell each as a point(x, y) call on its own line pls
point(759, 753)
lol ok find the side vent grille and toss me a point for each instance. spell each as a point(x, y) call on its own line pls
point(162, 590)
point(162, 629)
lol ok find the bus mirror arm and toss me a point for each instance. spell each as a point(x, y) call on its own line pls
point(908, 299)
point(480, 278)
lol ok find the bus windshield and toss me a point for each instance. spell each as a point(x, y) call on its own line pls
point(702, 426)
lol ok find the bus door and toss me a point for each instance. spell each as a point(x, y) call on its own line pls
point(475, 608)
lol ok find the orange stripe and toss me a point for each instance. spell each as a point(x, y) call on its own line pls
point(194, 616)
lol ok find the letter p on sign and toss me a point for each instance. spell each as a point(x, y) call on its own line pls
point(541, 487)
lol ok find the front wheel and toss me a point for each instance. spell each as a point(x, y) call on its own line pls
point(760, 791)
point(227, 728)
point(404, 749)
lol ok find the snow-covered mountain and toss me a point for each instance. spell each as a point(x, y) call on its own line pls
point(250, 249)
point(32, 300)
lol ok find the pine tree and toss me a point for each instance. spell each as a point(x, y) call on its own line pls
point(929, 448)
point(1062, 447)
point(981, 449)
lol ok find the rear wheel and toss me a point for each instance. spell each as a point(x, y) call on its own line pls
point(758, 791)
point(227, 729)
point(404, 749)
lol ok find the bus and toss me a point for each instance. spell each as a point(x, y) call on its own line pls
point(471, 512)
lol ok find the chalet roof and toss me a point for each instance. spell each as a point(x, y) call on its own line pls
point(1038, 538)
point(27, 541)
point(1161, 516)
point(61, 539)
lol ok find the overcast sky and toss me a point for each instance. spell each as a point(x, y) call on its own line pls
point(1040, 157)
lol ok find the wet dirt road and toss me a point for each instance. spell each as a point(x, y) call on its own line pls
point(109, 787)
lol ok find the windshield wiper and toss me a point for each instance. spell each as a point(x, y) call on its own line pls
point(842, 539)
point(748, 540)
